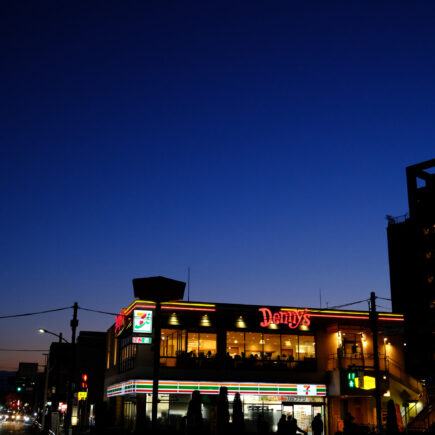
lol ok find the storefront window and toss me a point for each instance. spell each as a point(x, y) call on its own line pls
point(207, 345)
point(179, 346)
point(173, 342)
point(193, 344)
point(306, 347)
point(272, 346)
point(235, 343)
point(289, 347)
point(254, 345)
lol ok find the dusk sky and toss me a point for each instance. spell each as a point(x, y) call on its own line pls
point(259, 143)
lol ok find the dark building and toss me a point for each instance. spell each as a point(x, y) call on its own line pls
point(411, 251)
point(26, 383)
point(88, 378)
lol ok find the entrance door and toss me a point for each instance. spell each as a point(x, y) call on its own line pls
point(304, 415)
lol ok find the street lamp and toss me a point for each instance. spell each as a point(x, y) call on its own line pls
point(59, 336)
point(157, 289)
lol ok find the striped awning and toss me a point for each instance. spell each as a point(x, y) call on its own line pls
point(244, 388)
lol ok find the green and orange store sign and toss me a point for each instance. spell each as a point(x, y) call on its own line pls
point(244, 388)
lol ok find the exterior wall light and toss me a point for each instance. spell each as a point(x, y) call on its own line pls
point(240, 322)
point(205, 321)
point(173, 319)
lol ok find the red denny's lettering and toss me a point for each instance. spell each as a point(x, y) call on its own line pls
point(292, 318)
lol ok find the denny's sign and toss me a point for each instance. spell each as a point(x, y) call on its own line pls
point(292, 318)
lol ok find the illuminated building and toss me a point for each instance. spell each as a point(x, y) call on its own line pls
point(280, 359)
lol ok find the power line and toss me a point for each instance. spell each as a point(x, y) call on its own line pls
point(385, 299)
point(23, 350)
point(381, 306)
point(98, 311)
point(33, 314)
point(347, 305)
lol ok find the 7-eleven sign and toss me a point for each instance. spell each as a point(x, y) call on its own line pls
point(142, 321)
point(305, 390)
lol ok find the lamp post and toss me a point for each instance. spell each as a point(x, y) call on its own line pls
point(157, 289)
point(59, 336)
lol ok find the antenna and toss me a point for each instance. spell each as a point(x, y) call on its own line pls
point(188, 284)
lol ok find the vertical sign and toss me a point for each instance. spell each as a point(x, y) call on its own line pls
point(143, 321)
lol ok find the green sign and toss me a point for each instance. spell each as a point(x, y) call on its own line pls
point(351, 379)
point(143, 321)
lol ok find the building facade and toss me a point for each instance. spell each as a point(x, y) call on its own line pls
point(282, 360)
point(411, 252)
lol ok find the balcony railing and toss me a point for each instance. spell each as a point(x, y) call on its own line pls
point(343, 361)
point(187, 361)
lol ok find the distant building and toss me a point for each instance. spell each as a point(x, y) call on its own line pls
point(89, 364)
point(411, 252)
point(27, 384)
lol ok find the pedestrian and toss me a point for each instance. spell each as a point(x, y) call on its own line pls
point(317, 425)
point(294, 429)
point(282, 425)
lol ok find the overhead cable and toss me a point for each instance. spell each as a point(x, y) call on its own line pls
point(98, 311)
point(35, 313)
point(23, 350)
point(347, 305)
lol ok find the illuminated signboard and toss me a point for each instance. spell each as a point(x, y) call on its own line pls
point(293, 318)
point(83, 395)
point(369, 383)
point(141, 340)
point(119, 322)
point(243, 388)
point(142, 321)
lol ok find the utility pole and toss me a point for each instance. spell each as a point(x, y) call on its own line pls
point(70, 394)
point(156, 368)
point(74, 323)
point(374, 326)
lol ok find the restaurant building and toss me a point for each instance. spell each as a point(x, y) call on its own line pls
point(282, 360)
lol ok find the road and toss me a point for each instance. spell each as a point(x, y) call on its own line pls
point(18, 428)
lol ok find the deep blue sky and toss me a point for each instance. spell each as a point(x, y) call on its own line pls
point(259, 143)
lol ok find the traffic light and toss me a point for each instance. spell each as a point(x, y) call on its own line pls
point(351, 379)
point(18, 389)
point(85, 381)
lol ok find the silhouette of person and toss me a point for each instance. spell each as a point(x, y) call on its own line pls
point(282, 425)
point(317, 425)
point(294, 429)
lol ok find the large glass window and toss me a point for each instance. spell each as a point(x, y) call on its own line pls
point(181, 344)
point(281, 347)
point(307, 348)
point(207, 344)
point(254, 344)
point(272, 346)
point(173, 342)
point(289, 347)
point(235, 344)
point(193, 344)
